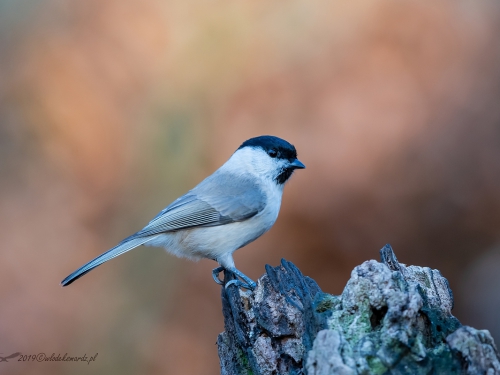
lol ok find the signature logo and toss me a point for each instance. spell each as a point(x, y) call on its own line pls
point(42, 357)
point(4, 359)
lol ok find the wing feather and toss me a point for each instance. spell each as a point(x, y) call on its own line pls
point(219, 199)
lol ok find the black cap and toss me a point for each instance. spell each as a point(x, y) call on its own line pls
point(274, 146)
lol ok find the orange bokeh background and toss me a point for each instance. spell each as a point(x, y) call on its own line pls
point(111, 109)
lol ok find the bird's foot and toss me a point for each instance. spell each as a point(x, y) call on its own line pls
point(240, 284)
point(247, 283)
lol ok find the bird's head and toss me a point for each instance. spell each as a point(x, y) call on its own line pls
point(268, 157)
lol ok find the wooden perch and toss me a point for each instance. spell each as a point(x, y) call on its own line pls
point(390, 319)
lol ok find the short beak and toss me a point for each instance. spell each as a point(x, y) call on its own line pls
point(297, 164)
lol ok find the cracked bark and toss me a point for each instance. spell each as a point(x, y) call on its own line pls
point(390, 319)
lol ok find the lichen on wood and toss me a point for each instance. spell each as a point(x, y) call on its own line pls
point(390, 319)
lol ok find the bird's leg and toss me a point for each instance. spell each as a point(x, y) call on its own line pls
point(227, 264)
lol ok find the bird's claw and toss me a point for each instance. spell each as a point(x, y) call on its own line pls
point(240, 284)
point(215, 275)
point(247, 284)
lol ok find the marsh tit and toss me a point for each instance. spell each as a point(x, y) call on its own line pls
point(234, 206)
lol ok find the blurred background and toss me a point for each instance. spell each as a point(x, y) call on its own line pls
point(111, 109)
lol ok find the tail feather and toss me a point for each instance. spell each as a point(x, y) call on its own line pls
point(123, 247)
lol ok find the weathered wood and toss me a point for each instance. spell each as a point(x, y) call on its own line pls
point(390, 319)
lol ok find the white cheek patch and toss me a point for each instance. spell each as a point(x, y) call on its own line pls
point(255, 161)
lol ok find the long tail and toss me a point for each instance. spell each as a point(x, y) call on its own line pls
point(124, 246)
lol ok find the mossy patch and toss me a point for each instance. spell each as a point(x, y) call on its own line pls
point(376, 366)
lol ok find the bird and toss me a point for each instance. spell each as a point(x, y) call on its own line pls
point(229, 209)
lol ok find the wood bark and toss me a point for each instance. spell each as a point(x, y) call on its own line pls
point(390, 319)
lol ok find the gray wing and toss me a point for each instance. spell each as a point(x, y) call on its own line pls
point(220, 199)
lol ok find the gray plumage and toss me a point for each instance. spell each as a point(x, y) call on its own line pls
point(236, 198)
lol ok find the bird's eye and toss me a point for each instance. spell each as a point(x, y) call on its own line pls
point(272, 153)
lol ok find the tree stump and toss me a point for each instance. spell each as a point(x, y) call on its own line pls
point(390, 319)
